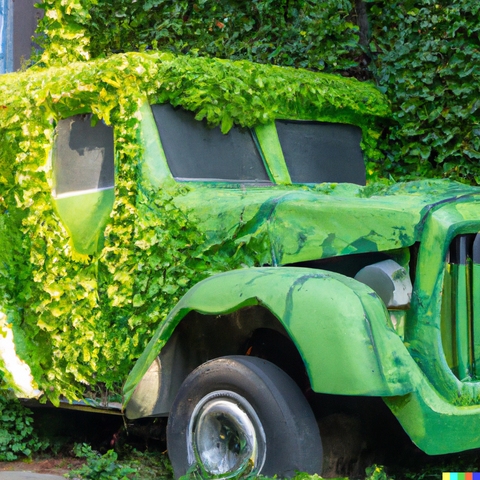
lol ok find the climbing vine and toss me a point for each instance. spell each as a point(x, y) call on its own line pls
point(82, 320)
point(319, 34)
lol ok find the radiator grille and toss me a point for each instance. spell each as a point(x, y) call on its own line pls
point(461, 307)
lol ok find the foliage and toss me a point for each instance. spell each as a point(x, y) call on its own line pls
point(63, 34)
point(83, 320)
point(16, 431)
point(427, 58)
point(100, 467)
point(423, 53)
point(149, 465)
point(300, 33)
point(133, 466)
point(376, 472)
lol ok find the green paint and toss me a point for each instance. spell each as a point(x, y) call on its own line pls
point(85, 217)
point(476, 317)
point(343, 331)
point(333, 320)
point(423, 332)
point(154, 167)
point(435, 425)
point(302, 223)
point(462, 314)
point(272, 152)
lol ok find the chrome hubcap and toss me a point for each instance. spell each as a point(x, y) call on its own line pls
point(225, 436)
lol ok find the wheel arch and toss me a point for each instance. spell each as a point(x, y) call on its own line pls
point(338, 327)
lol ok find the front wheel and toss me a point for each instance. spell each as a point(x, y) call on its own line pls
point(239, 415)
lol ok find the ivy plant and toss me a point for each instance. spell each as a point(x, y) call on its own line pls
point(82, 320)
point(319, 34)
point(427, 59)
point(17, 436)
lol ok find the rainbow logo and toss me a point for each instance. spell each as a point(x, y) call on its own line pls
point(461, 476)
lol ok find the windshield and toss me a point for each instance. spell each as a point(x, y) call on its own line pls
point(317, 152)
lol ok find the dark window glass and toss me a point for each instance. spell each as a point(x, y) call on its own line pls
point(317, 152)
point(83, 155)
point(196, 152)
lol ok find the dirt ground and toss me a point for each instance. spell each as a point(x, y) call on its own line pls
point(52, 466)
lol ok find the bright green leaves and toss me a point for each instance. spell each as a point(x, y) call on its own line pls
point(227, 123)
point(63, 25)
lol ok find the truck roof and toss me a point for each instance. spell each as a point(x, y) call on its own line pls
point(222, 91)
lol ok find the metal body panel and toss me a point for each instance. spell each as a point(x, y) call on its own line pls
point(85, 217)
point(423, 332)
point(301, 224)
point(273, 154)
point(340, 327)
point(442, 414)
point(435, 425)
point(335, 321)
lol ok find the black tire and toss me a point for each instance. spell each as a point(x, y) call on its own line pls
point(243, 395)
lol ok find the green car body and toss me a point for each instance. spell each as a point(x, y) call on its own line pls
point(341, 328)
point(307, 242)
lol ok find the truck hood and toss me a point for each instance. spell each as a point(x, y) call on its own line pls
point(289, 224)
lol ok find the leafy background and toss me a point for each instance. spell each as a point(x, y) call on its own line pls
point(427, 60)
point(80, 321)
point(424, 54)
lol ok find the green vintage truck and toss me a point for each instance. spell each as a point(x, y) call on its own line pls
point(212, 220)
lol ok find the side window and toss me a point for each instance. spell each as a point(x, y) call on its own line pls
point(83, 156)
point(196, 152)
point(317, 152)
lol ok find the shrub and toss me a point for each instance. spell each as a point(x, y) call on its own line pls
point(16, 431)
point(99, 467)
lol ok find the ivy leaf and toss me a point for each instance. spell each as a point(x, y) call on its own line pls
point(227, 123)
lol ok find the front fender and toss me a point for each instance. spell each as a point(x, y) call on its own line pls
point(339, 326)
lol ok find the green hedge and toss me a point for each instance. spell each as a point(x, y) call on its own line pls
point(423, 53)
point(428, 62)
point(300, 33)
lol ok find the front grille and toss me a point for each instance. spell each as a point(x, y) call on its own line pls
point(460, 325)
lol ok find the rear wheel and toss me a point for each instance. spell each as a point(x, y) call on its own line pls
point(238, 415)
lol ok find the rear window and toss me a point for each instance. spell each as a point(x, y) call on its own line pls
point(83, 156)
point(196, 152)
point(317, 152)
